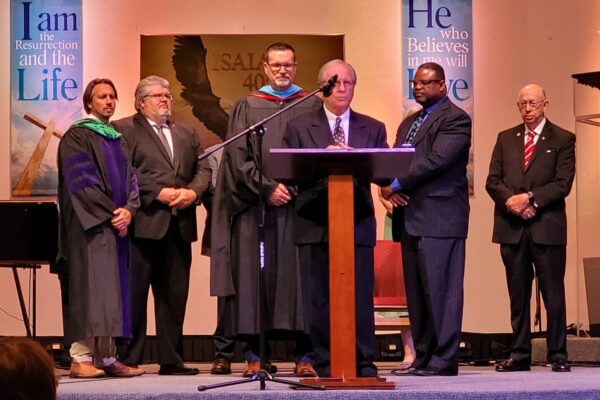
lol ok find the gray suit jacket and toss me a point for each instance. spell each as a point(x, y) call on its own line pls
point(437, 178)
point(549, 177)
point(155, 171)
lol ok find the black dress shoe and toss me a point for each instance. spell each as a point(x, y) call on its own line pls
point(367, 371)
point(435, 371)
point(561, 366)
point(512, 365)
point(221, 366)
point(271, 368)
point(404, 371)
point(177, 369)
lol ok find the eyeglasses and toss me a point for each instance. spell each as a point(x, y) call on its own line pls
point(347, 84)
point(160, 96)
point(532, 104)
point(277, 67)
point(424, 82)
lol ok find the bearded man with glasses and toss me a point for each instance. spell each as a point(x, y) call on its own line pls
point(172, 182)
point(235, 246)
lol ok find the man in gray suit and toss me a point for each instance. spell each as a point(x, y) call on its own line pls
point(531, 172)
point(431, 218)
point(171, 182)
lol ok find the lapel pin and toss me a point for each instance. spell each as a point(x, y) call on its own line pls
point(518, 134)
point(543, 137)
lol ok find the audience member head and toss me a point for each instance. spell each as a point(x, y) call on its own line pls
point(153, 98)
point(279, 64)
point(429, 84)
point(26, 370)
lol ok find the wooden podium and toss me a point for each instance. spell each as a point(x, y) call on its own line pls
point(341, 167)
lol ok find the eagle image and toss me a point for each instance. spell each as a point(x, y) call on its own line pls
point(189, 62)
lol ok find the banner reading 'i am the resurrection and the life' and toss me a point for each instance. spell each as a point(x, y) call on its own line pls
point(46, 86)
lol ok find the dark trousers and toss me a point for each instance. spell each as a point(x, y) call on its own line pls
point(163, 265)
point(224, 346)
point(302, 351)
point(316, 258)
point(433, 278)
point(549, 261)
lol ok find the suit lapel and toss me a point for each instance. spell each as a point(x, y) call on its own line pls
point(440, 110)
point(518, 138)
point(355, 138)
point(320, 132)
point(405, 127)
point(542, 143)
point(176, 138)
point(151, 132)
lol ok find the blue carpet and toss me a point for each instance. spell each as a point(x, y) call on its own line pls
point(471, 383)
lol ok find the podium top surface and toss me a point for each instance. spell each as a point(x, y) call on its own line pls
point(319, 163)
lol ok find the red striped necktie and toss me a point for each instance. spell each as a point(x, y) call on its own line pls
point(529, 146)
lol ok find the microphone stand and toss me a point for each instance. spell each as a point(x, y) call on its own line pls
point(259, 131)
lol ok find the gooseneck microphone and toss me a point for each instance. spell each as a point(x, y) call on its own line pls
point(327, 88)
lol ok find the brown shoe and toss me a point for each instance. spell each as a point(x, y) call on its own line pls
point(305, 370)
point(252, 369)
point(120, 370)
point(221, 366)
point(85, 369)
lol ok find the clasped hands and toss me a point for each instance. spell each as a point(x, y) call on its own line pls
point(177, 198)
point(519, 204)
point(280, 196)
point(121, 220)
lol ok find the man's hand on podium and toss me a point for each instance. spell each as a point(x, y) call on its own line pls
point(339, 146)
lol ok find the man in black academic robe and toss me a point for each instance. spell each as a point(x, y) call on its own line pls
point(235, 248)
point(98, 196)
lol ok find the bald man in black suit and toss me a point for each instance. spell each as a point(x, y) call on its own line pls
point(531, 172)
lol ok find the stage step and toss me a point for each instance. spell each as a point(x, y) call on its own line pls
point(580, 349)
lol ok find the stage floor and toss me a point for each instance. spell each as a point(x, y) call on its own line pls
point(471, 383)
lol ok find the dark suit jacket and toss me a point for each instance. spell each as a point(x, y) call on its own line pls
point(549, 177)
point(436, 180)
point(312, 131)
point(155, 171)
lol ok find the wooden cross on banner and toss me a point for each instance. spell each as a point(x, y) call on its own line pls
point(24, 185)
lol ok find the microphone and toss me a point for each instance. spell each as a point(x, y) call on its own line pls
point(327, 88)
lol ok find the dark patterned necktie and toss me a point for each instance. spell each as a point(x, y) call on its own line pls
point(529, 146)
point(164, 141)
point(338, 132)
point(415, 128)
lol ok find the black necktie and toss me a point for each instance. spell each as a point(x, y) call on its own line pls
point(164, 141)
point(415, 128)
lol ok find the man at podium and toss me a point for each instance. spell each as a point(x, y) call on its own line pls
point(336, 125)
